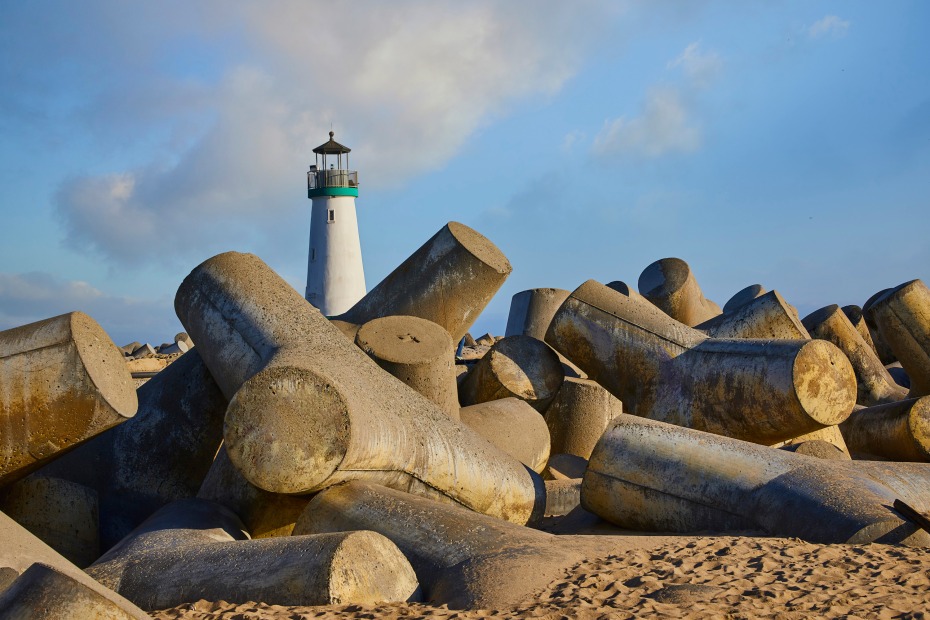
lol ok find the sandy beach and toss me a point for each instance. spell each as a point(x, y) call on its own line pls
point(680, 577)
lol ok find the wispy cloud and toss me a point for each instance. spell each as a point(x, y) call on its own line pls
point(829, 26)
point(28, 297)
point(663, 127)
point(701, 67)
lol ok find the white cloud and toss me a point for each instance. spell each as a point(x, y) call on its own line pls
point(29, 297)
point(404, 84)
point(829, 26)
point(663, 127)
point(700, 67)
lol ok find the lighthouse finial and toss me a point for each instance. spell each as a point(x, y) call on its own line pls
point(331, 134)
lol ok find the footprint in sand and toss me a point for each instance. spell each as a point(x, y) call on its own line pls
point(685, 593)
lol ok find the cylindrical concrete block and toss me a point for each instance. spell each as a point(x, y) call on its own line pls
point(874, 384)
point(827, 434)
point(265, 514)
point(20, 550)
point(349, 330)
point(899, 375)
point(43, 593)
point(309, 409)
point(514, 427)
point(653, 476)
point(898, 431)
point(159, 456)
point(743, 297)
point(194, 549)
point(817, 448)
point(857, 320)
point(63, 381)
point(882, 348)
point(517, 366)
point(62, 514)
point(562, 496)
point(565, 467)
point(762, 391)
point(532, 310)
point(578, 416)
point(448, 281)
point(625, 289)
point(767, 316)
point(463, 559)
point(669, 283)
point(416, 351)
point(903, 318)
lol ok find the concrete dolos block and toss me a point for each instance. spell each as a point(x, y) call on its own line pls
point(20, 550)
point(43, 593)
point(62, 381)
point(195, 549)
point(902, 315)
point(159, 456)
point(448, 280)
point(416, 351)
point(517, 366)
point(671, 286)
point(578, 416)
point(744, 296)
point(532, 310)
point(463, 559)
point(874, 383)
point(309, 409)
point(766, 316)
point(764, 391)
point(652, 476)
point(514, 427)
point(897, 431)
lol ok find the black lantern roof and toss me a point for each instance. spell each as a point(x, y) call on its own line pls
point(331, 148)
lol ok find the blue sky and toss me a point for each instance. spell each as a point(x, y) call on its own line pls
point(779, 143)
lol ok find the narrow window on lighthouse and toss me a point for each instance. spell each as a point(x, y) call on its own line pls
point(332, 215)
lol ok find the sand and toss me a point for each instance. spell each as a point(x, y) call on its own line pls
point(682, 577)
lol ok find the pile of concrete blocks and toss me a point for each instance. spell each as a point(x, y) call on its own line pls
point(386, 455)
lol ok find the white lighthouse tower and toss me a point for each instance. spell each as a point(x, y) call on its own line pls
point(335, 277)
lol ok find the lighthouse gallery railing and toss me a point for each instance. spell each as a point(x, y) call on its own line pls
point(317, 179)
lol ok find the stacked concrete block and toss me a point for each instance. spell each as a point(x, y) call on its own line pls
point(899, 431)
point(197, 549)
point(882, 348)
point(418, 352)
point(448, 280)
point(649, 475)
point(579, 415)
point(766, 316)
point(517, 366)
point(63, 381)
point(513, 426)
point(624, 289)
point(829, 435)
point(309, 409)
point(857, 320)
point(159, 456)
point(743, 297)
point(875, 385)
point(902, 316)
point(532, 310)
point(764, 391)
point(670, 284)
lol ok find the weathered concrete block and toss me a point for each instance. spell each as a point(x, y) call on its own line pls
point(195, 549)
point(670, 285)
point(349, 330)
point(309, 409)
point(857, 320)
point(827, 434)
point(448, 281)
point(898, 431)
point(562, 496)
point(43, 593)
point(143, 351)
point(767, 316)
point(175, 348)
point(159, 456)
point(565, 467)
point(62, 514)
point(513, 426)
point(517, 366)
point(743, 297)
point(578, 416)
point(902, 315)
point(62, 381)
point(20, 550)
point(649, 475)
point(622, 288)
point(817, 448)
point(874, 384)
point(185, 338)
point(763, 391)
point(899, 375)
point(882, 348)
point(463, 559)
point(532, 310)
point(418, 352)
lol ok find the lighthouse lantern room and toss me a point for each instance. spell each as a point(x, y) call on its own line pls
point(335, 277)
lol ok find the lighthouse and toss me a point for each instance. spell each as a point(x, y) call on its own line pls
point(335, 277)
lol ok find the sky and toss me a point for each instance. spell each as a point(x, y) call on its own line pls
point(778, 143)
